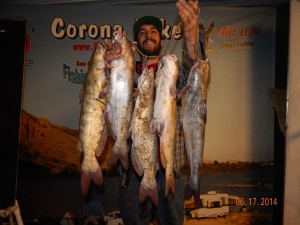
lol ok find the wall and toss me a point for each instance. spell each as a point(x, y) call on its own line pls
point(292, 180)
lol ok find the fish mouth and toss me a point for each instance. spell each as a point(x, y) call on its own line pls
point(172, 57)
point(120, 35)
point(100, 46)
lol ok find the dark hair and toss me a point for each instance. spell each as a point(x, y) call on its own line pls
point(146, 20)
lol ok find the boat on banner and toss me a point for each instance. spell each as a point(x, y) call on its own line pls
point(213, 205)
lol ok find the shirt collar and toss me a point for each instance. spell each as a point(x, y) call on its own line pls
point(139, 67)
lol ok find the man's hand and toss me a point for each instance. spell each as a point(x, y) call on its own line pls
point(188, 12)
point(113, 51)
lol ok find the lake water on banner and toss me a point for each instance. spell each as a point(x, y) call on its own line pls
point(57, 195)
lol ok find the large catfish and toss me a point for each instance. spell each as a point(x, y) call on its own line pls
point(194, 120)
point(120, 100)
point(92, 129)
point(144, 143)
point(164, 115)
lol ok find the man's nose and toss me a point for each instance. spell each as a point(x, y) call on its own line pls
point(148, 33)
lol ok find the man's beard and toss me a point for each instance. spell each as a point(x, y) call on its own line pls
point(153, 52)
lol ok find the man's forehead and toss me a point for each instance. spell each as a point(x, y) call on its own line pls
point(147, 26)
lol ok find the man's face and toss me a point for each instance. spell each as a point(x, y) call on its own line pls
point(149, 41)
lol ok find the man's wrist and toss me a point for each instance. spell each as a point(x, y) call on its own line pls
point(188, 60)
point(191, 48)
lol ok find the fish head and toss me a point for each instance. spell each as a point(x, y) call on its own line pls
point(98, 56)
point(123, 41)
point(169, 61)
point(168, 64)
point(119, 39)
point(119, 36)
point(100, 50)
point(195, 78)
point(171, 58)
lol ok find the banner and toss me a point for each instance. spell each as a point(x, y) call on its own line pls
point(241, 50)
point(240, 114)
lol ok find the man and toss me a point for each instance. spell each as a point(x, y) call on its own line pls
point(147, 33)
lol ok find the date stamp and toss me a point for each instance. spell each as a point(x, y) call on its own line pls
point(253, 201)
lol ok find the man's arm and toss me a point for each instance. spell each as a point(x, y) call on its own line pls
point(188, 12)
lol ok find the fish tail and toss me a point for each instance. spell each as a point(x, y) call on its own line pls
point(119, 151)
point(170, 185)
point(154, 195)
point(79, 147)
point(188, 192)
point(88, 176)
point(197, 199)
point(146, 192)
point(124, 160)
point(191, 191)
point(152, 126)
point(113, 158)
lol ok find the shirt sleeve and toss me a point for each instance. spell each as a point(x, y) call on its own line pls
point(187, 62)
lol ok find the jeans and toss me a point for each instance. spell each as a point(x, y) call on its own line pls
point(169, 211)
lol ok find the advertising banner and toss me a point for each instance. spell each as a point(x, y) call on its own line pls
point(240, 46)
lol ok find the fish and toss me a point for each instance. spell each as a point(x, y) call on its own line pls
point(164, 119)
point(194, 119)
point(144, 143)
point(92, 127)
point(120, 100)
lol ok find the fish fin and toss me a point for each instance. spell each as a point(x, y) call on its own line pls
point(135, 162)
point(161, 127)
point(148, 192)
point(85, 182)
point(110, 123)
point(128, 133)
point(133, 49)
point(101, 143)
point(173, 90)
point(119, 151)
point(157, 166)
point(97, 177)
point(182, 92)
point(197, 200)
point(204, 113)
point(98, 150)
point(98, 67)
point(87, 177)
point(136, 93)
point(189, 192)
point(162, 156)
point(103, 93)
point(124, 160)
point(154, 196)
point(113, 158)
point(152, 126)
point(143, 193)
point(79, 147)
point(81, 93)
point(170, 185)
